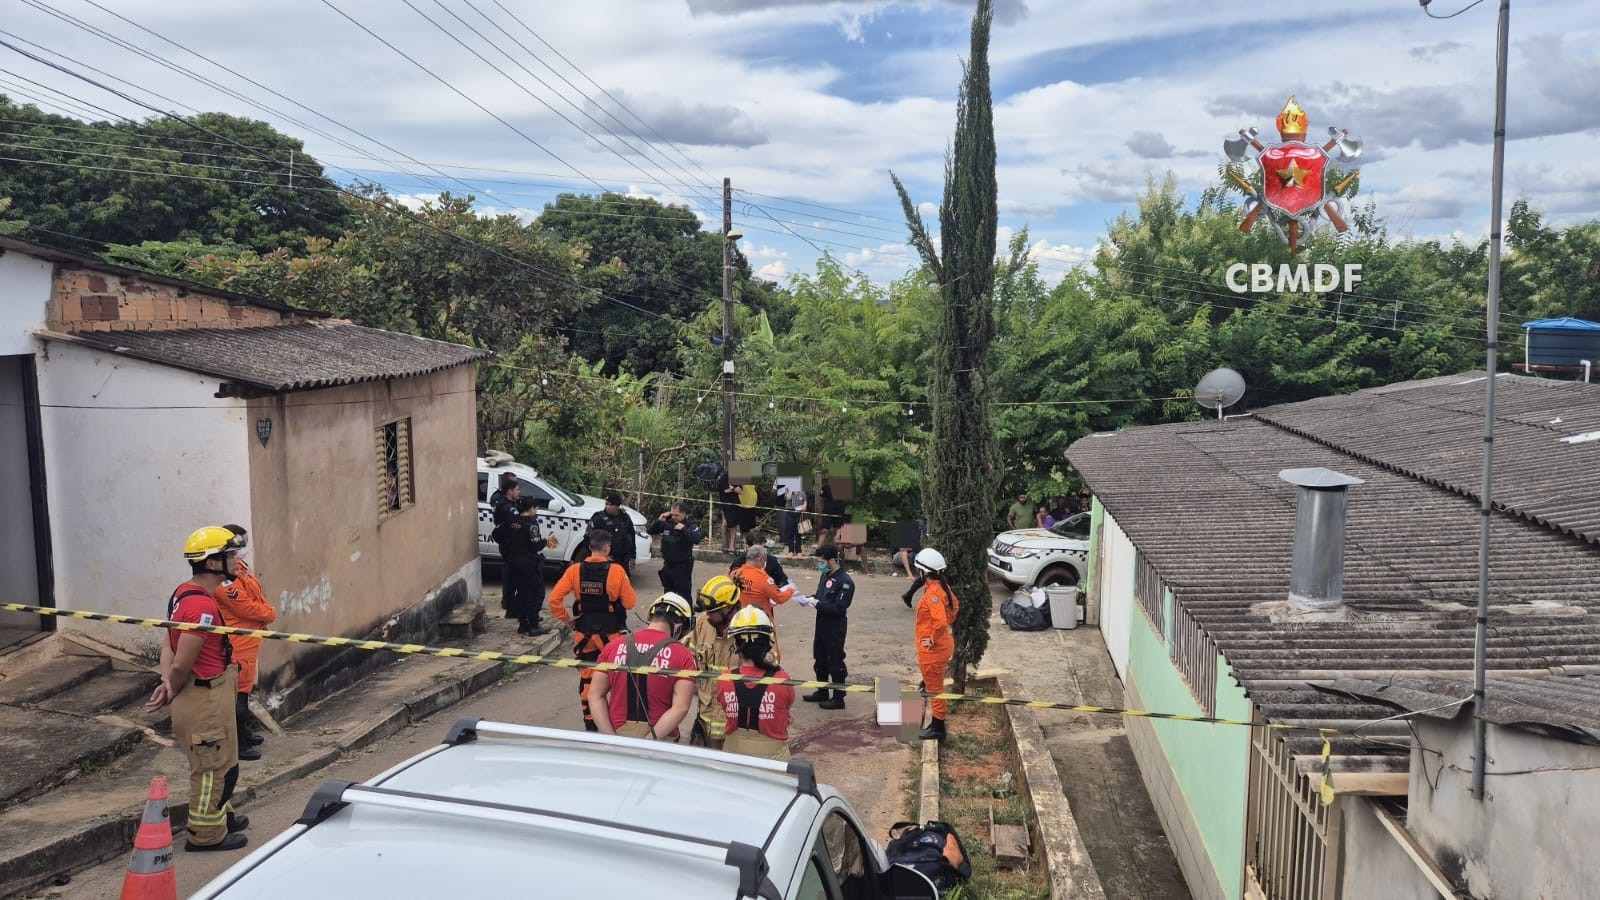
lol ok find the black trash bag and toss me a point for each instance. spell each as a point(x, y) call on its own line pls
point(934, 849)
point(1022, 617)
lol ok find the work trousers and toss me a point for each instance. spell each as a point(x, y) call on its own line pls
point(789, 530)
point(754, 743)
point(827, 650)
point(524, 588)
point(587, 647)
point(678, 577)
point(933, 663)
point(204, 728)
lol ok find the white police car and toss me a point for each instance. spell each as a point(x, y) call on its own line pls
point(1057, 556)
point(514, 810)
point(561, 513)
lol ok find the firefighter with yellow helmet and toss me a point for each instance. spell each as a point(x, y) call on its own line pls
point(199, 680)
point(757, 714)
point(714, 649)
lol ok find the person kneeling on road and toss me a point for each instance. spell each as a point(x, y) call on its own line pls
point(758, 714)
point(647, 706)
point(835, 590)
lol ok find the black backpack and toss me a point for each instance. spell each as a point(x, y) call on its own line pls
point(933, 849)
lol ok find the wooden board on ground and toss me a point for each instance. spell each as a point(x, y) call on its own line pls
point(1012, 847)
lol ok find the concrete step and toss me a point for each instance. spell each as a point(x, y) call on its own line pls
point(34, 685)
point(108, 692)
point(44, 749)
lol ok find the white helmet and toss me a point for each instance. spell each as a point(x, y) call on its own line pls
point(929, 560)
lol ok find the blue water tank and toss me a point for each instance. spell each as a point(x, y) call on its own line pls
point(1562, 342)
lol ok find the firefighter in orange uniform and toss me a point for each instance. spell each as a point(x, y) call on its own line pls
point(245, 606)
point(936, 613)
point(603, 597)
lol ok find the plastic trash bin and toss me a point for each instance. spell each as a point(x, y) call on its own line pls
point(1063, 606)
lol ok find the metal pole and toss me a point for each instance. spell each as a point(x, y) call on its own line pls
point(1480, 734)
point(727, 325)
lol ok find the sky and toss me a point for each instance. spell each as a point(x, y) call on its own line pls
point(808, 105)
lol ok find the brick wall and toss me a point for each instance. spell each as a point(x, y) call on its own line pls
point(86, 300)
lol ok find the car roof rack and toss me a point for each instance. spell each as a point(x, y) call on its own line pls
point(334, 795)
point(468, 728)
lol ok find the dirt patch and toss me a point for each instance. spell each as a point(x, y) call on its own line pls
point(973, 789)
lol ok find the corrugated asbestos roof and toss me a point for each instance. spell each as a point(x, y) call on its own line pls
point(1563, 707)
point(1546, 443)
point(1204, 503)
point(294, 357)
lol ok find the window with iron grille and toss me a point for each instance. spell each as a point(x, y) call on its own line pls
point(396, 491)
point(1149, 589)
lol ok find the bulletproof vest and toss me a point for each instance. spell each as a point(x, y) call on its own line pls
point(598, 611)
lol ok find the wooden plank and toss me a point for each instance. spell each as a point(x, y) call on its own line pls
point(1012, 848)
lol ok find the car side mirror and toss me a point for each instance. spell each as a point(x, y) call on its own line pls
point(902, 883)
point(555, 506)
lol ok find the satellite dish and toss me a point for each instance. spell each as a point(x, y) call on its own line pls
point(1219, 389)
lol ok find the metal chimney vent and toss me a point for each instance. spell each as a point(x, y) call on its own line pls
point(1317, 582)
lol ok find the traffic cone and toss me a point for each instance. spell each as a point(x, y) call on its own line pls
point(150, 872)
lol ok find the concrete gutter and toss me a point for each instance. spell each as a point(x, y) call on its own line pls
point(928, 809)
point(25, 869)
point(1072, 874)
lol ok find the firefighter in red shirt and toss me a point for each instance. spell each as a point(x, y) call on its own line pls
point(648, 706)
point(604, 596)
point(199, 680)
point(757, 714)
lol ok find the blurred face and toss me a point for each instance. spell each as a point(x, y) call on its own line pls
point(613, 508)
point(1022, 498)
point(675, 514)
point(514, 492)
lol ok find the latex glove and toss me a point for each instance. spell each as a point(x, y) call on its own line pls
point(803, 600)
point(789, 586)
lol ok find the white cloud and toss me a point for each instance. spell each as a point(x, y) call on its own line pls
point(776, 270)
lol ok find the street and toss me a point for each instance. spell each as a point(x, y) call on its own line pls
point(845, 745)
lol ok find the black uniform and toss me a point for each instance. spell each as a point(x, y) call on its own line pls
point(622, 531)
point(677, 555)
point(834, 594)
point(522, 551)
point(504, 512)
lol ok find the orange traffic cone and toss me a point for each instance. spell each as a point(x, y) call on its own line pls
point(150, 873)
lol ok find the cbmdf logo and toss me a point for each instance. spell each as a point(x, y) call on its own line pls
point(1298, 189)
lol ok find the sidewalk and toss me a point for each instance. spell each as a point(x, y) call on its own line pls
point(1098, 773)
point(93, 816)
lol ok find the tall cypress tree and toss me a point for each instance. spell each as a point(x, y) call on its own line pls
point(962, 477)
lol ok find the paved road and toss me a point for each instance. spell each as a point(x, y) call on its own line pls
point(845, 746)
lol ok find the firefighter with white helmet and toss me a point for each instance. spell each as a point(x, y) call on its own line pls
point(936, 615)
point(645, 705)
point(757, 714)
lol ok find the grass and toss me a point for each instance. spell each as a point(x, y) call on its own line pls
point(975, 756)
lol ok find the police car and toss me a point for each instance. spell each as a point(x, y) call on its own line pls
point(574, 814)
point(1042, 557)
point(563, 514)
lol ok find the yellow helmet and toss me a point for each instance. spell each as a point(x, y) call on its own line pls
point(672, 606)
point(208, 542)
point(718, 593)
point(749, 623)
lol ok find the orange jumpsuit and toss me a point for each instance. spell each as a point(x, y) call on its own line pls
point(935, 615)
point(756, 588)
point(601, 615)
point(243, 605)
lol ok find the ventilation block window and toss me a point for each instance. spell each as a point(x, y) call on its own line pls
point(395, 488)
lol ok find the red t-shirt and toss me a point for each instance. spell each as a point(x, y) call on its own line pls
point(773, 717)
point(658, 688)
point(192, 603)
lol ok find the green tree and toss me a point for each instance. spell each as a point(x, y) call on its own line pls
point(9, 226)
point(962, 478)
point(89, 184)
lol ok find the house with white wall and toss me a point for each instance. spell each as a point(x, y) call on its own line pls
point(136, 408)
point(1194, 549)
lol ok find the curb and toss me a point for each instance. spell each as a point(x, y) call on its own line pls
point(1072, 873)
point(108, 837)
point(928, 809)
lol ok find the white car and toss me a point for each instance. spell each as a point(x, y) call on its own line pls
point(1042, 557)
point(561, 513)
point(514, 810)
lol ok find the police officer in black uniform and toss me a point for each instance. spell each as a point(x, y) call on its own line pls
point(510, 540)
point(617, 521)
point(835, 590)
point(523, 556)
point(678, 537)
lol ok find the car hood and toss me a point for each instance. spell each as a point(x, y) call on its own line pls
point(1038, 537)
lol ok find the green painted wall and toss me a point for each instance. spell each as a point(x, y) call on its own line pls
point(1209, 762)
point(1097, 514)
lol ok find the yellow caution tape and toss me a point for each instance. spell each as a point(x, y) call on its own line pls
point(567, 662)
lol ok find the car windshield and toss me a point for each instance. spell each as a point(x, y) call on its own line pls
point(1075, 526)
point(568, 499)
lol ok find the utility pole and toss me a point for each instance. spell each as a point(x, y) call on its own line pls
point(728, 237)
point(1486, 500)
